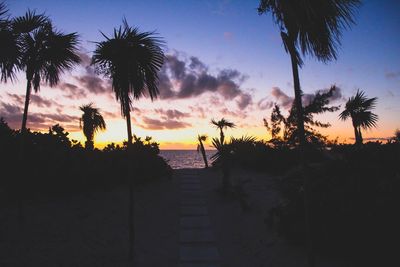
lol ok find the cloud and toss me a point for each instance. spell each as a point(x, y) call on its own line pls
point(264, 103)
point(93, 83)
point(188, 78)
point(337, 95)
point(244, 101)
point(155, 124)
point(172, 114)
point(392, 75)
point(88, 82)
point(234, 114)
point(36, 120)
point(72, 91)
point(34, 99)
point(284, 100)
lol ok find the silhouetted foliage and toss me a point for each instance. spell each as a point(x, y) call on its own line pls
point(355, 194)
point(289, 135)
point(358, 108)
point(221, 125)
point(200, 148)
point(58, 164)
point(132, 60)
point(92, 122)
point(310, 27)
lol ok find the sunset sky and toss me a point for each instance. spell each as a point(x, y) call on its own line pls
point(223, 60)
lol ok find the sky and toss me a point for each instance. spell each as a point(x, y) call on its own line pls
point(222, 60)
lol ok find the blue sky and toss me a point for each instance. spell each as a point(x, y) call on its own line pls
point(231, 35)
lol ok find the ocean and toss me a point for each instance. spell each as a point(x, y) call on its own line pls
point(180, 159)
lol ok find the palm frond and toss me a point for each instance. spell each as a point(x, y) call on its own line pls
point(316, 25)
point(132, 59)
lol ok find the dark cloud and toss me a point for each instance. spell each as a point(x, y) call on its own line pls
point(155, 124)
point(196, 64)
point(36, 120)
point(337, 95)
point(72, 91)
point(244, 100)
point(283, 99)
point(265, 103)
point(180, 79)
point(34, 99)
point(392, 75)
point(89, 82)
point(93, 83)
point(172, 114)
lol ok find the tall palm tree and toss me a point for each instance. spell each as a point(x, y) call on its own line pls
point(91, 122)
point(200, 147)
point(45, 53)
point(132, 60)
point(310, 27)
point(358, 108)
point(221, 125)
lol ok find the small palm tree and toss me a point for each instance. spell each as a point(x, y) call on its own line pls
point(132, 60)
point(358, 108)
point(91, 122)
point(200, 147)
point(397, 136)
point(222, 158)
point(221, 125)
point(45, 53)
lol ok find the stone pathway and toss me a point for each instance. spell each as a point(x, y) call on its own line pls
point(197, 243)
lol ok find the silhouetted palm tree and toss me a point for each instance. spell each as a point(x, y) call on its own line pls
point(222, 158)
point(221, 125)
point(358, 108)
point(397, 136)
point(132, 60)
point(200, 147)
point(45, 53)
point(312, 27)
point(9, 50)
point(91, 122)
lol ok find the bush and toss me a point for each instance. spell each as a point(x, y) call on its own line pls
point(355, 199)
point(51, 163)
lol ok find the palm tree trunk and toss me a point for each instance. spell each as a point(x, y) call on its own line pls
point(128, 126)
point(356, 137)
point(131, 221)
point(302, 143)
point(27, 99)
point(131, 205)
point(203, 152)
point(297, 100)
point(222, 137)
point(22, 151)
point(360, 136)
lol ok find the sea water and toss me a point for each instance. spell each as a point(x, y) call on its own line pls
point(180, 159)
